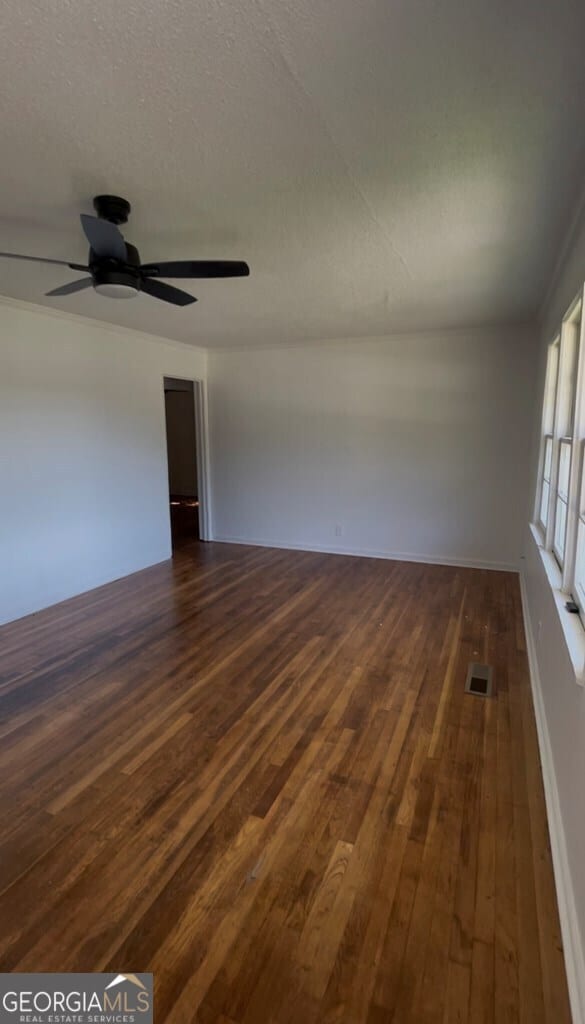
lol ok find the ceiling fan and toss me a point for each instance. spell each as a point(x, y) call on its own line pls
point(114, 265)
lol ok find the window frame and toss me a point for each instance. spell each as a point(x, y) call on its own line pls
point(548, 434)
point(563, 423)
point(579, 598)
point(563, 498)
point(543, 479)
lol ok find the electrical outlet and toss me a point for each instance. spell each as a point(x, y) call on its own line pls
point(338, 530)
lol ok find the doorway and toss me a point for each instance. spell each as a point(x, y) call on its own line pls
point(181, 430)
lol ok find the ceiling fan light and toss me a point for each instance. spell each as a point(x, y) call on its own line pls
point(112, 290)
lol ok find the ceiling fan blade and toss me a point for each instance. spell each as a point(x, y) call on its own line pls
point(104, 238)
point(196, 268)
point(166, 292)
point(41, 259)
point(73, 286)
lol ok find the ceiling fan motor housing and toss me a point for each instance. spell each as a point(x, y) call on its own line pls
point(112, 208)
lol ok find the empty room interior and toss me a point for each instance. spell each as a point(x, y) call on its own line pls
point(292, 512)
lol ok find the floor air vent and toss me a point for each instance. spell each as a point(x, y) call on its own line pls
point(479, 680)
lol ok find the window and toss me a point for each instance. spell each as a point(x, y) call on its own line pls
point(548, 417)
point(579, 581)
point(564, 425)
point(560, 498)
point(545, 490)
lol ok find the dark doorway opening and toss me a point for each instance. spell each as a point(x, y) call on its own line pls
point(182, 460)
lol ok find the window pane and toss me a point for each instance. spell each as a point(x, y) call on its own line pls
point(560, 527)
point(564, 468)
point(551, 387)
point(580, 564)
point(567, 380)
point(547, 458)
point(544, 503)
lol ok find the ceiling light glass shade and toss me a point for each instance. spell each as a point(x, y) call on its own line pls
point(116, 291)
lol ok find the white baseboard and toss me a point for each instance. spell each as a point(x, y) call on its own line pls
point(393, 556)
point(572, 943)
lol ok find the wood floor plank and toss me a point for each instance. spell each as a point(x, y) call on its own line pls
point(256, 773)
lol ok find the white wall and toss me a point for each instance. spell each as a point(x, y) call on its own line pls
point(83, 468)
point(414, 445)
point(562, 701)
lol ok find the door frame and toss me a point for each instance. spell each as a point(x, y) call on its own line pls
point(201, 451)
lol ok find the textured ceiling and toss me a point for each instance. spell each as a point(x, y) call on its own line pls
point(381, 164)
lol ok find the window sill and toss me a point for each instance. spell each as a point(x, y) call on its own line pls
point(571, 625)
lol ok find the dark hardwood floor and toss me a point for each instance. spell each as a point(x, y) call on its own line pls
point(256, 774)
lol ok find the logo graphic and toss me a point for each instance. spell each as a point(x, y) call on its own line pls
point(76, 999)
point(125, 977)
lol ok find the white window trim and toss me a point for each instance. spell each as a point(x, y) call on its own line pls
point(561, 556)
point(549, 419)
point(541, 482)
point(580, 458)
point(567, 425)
point(571, 624)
